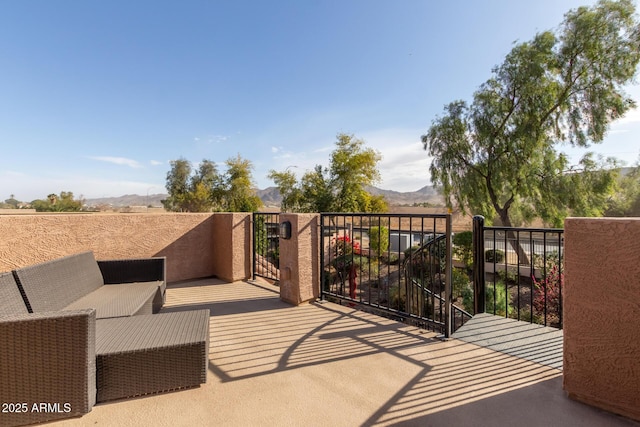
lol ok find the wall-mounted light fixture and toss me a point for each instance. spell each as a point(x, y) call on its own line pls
point(285, 230)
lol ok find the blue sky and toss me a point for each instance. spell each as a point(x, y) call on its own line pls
point(97, 97)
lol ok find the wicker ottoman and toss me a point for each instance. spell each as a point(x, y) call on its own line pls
point(149, 354)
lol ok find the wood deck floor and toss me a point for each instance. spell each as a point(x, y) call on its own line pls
point(536, 343)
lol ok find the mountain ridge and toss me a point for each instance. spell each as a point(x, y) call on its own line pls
point(270, 196)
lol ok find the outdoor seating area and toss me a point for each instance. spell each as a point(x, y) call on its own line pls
point(86, 342)
point(323, 364)
point(75, 332)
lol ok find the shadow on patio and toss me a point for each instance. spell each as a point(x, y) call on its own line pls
point(325, 364)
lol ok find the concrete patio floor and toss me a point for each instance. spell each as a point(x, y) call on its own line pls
point(322, 364)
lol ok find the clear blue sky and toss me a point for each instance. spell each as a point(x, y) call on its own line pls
point(96, 97)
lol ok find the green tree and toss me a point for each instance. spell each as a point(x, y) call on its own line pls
point(65, 202)
point(497, 156)
point(178, 186)
point(11, 202)
point(289, 191)
point(352, 168)
point(317, 192)
point(338, 188)
point(379, 239)
point(626, 201)
point(463, 248)
point(206, 190)
point(240, 194)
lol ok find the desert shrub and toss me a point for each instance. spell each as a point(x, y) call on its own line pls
point(274, 256)
point(397, 298)
point(392, 258)
point(379, 239)
point(344, 262)
point(507, 276)
point(411, 250)
point(423, 265)
point(463, 247)
point(260, 233)
point(460, 279)
point(496, 299)
point(467, 298)
point(494, 255)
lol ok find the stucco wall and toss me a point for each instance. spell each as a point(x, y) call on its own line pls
point(190, 242)
point(601, 300)
point(232, 246)
point(300, 259)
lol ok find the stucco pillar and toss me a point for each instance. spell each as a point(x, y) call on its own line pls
point(300, 259)
point(601, 317)
point(232, 246)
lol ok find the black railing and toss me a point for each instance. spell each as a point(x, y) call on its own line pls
point(435, 245)
point(266, 245)
point(392, 264)
point(520, 272)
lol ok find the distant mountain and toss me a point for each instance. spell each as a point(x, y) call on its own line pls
point(128, 200)
point(271, 198)
point(426, 194)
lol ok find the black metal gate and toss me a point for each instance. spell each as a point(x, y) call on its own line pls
point(392, 264)
point(266, 247)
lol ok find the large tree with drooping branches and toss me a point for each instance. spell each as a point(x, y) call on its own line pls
point(499, 154)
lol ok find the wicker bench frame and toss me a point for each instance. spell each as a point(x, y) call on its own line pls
point(114, 288)
point(71, 360)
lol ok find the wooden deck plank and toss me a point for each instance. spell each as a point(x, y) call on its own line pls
point(536, 343)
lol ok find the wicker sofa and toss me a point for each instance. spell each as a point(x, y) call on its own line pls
point(113, 288)
point(58, 359)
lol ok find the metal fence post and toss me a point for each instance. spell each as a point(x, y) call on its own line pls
point(478, 264)
point(323, 272)
point(253, 243)
point(448, 280)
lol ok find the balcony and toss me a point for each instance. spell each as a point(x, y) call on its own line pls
point(317, 363)
point(325, 364)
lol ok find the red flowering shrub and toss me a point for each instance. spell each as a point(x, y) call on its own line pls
point(548, 290)
point(342, 245)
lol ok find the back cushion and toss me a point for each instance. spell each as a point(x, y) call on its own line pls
point(11, 301)
point(53, 285)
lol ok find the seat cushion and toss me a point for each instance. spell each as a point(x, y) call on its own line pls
point(119, 300)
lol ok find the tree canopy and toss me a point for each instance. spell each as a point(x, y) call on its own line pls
point(206, 190)
point(339, 188)
point(626, 201)
point(65, 202)
point(497, 155)
point(238, 193)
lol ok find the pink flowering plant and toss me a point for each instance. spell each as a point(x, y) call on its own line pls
point(547, 292)
point(342, 245)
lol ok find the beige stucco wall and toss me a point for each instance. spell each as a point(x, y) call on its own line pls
point(190, 241)
point(601, 300)
point(232, 246)
point(300, 259)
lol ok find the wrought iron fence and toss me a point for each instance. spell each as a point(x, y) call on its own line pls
point(391, 264)
point(266, 246)
point(520, 272)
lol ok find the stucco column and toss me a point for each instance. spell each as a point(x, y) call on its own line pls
point(232, 246)
point(600, 306)
point(300, 259)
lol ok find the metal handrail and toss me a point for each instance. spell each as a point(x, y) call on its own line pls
point(416, 283)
